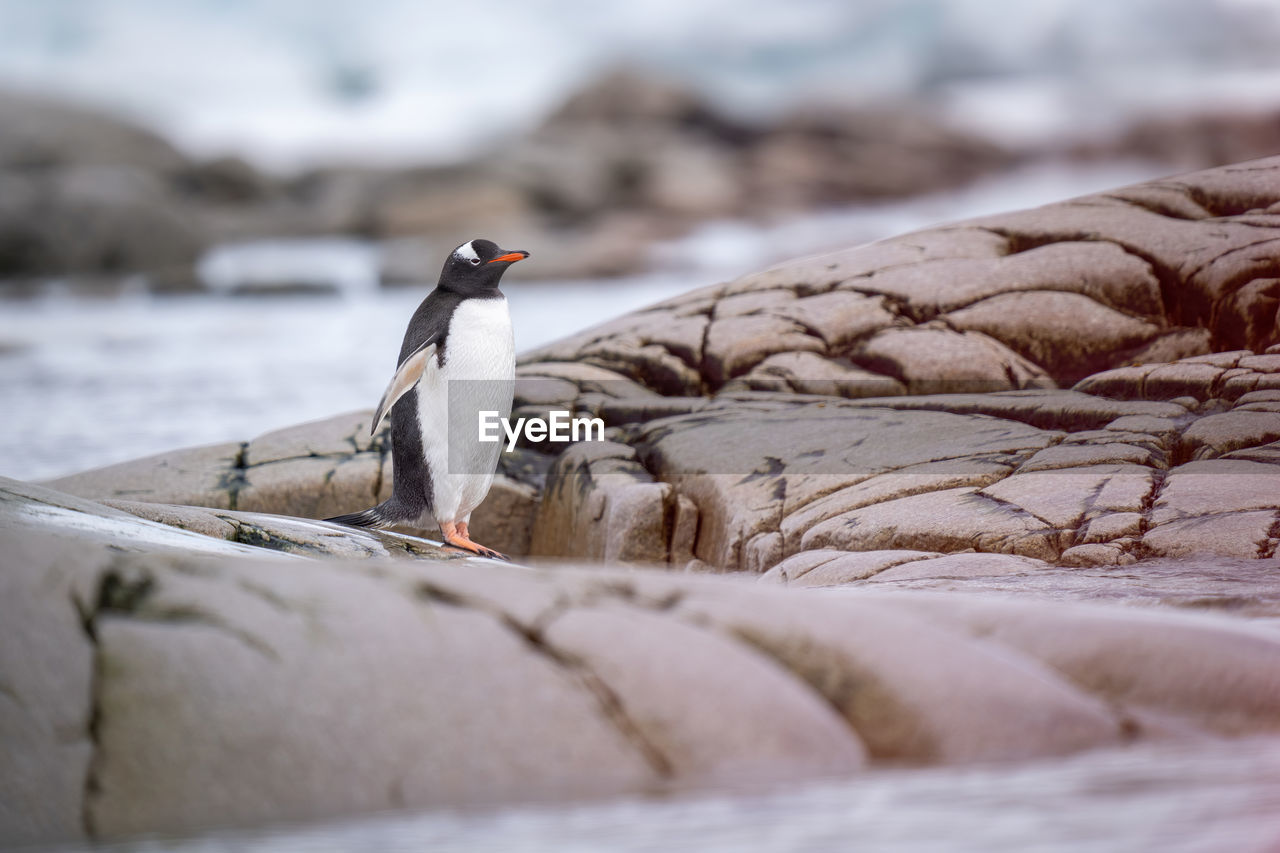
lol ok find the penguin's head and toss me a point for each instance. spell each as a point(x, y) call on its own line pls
point(476, 266)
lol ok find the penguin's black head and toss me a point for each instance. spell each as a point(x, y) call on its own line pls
point(476, 266)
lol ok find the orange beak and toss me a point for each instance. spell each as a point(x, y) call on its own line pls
point(510, 257)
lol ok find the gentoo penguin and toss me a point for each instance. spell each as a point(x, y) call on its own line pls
point(457, 359)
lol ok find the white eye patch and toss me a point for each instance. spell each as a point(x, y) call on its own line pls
point(466, 252)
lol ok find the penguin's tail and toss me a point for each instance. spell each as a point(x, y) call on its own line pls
point(382, 515)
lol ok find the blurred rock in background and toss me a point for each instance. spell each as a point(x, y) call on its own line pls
point(84, 193)
point(628, 161)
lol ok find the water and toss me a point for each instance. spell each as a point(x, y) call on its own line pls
point(1212, 796)
point(90, 382)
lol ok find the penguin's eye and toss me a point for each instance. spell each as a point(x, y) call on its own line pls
point(475, 262)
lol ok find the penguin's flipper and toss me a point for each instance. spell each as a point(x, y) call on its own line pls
point(407, 375)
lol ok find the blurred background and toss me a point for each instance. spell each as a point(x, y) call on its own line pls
point(217, 215)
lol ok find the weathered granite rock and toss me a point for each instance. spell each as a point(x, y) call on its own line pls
point(1067, 351)
point(84, 192)
point(200, 476)
point(156, 662)
point(315, 470)
point(936, 360)
point(42, 134)
point(1244, 586)
point(46, 673)
point(831, 567)
point(1069, 293)
point(894, 396)
point(810, 373)
point(1149, 261)
point(136, 526)
point(772, 475)
point(884, 419)
point(96, 220)
point(602, 504)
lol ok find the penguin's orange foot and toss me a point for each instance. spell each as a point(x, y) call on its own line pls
point(456, 535)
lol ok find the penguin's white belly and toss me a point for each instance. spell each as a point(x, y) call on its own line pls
point(478, 375)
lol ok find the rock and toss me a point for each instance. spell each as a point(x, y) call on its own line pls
point(1103, 273)
point(633, 159)
point(839, 319)
point(964, 565)
point(1207, 275)
point(193, 625)
point(1173, 345)
point(146, 774)
point(44, 134)
point(46, 673)
point(823, 498)
point(1062, 498)
point(824, 157)
point(600, 503)
point(615, 244)
point(694, 181)
point(1011, 304)
point(809, 373)
point(505, 520)
point(1238, 534)
point(831, 567)
point(1163, 430)
point(727, 460)
point(152, 527)
point(625, 163)
point(1190, 377)
point(747, 432)
point(946, 520)
point(1066, 456)
point(1113, 525)
point(188, 652)
point(199, 476)
point(1244, 587)
point(312, 487)
point(226, 181)
point(1215, 487)
point(1199, 140)
point(941, 361)
point(659, 668)
point(624, 96)
point(196, 519)
point(660, 349)
point(1047, 409)
point(735, 345)
point(1216, 435)
point(1104, 645)
point(342, 434)
point(852, 653)
point(1029, 323)
point(82, 192)
point(462, 204)
point(113, 220)
point(315, 470)
point(1096, 554)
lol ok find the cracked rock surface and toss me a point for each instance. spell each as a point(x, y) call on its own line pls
point(974, 437)
point(315, 470)
point(1084, 384)
point(185, 680)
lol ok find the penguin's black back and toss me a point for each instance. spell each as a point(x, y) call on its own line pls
point(412, 491)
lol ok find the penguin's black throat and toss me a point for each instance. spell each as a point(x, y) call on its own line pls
point(476, 267)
